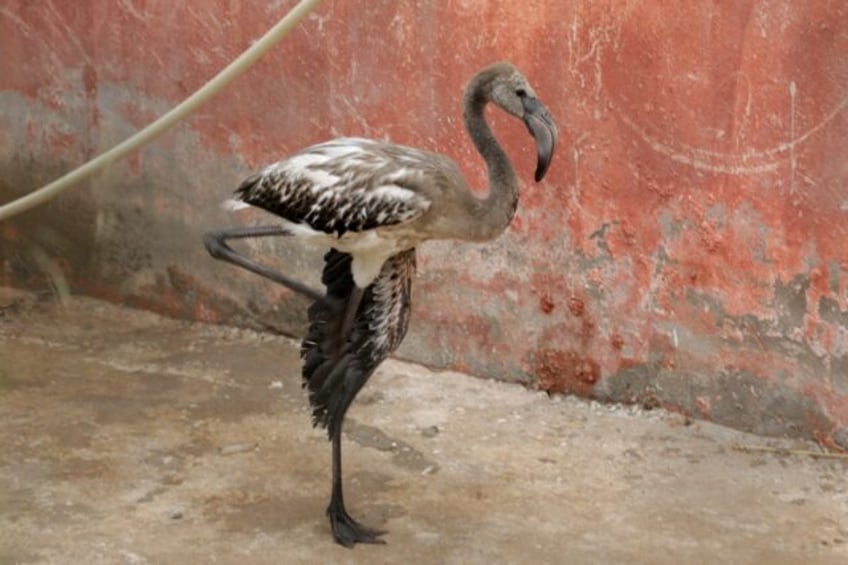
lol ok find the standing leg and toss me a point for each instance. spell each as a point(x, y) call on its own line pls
point(346, 530)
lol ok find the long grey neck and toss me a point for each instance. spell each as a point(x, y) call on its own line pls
point(494, 212)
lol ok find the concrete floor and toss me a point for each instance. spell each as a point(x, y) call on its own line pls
point(130, 438)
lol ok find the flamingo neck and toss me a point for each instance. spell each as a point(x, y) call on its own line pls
point(494, 212)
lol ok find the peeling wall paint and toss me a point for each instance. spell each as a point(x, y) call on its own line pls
point(688, 248)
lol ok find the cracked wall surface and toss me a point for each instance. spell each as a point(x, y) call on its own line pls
point(687, 248)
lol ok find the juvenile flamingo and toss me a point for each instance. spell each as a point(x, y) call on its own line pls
point(372, 202)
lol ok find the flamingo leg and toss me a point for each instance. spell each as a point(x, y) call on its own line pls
point(346, 530)
point(216, 244)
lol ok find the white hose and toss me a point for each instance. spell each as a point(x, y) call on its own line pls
point(160, 126)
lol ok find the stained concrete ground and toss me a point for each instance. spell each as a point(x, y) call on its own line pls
point(126, 437)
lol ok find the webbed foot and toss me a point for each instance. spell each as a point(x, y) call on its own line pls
point(348, 531)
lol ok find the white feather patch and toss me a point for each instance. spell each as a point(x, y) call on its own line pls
point(390, 193)
point(341, 147)
point(305, 232)
point(296, 162)
point(366, 266)
point(232, 205)
point(319, 179)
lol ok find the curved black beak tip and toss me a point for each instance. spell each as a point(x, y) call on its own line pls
point(544, 130)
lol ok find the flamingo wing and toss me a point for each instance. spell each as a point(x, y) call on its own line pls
point(344, 185)
point(336, 366)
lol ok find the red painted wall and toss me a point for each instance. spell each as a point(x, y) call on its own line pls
point(687, 249)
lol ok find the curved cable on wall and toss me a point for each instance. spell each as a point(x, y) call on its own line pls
point(166, 121)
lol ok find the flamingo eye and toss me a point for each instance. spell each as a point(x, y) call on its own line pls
point(520, 92)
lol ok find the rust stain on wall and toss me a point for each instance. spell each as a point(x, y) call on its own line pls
point(565, 372)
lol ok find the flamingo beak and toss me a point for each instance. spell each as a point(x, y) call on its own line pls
point(543, 129)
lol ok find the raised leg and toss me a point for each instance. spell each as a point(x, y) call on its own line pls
point(346, 530)
point(216, 244)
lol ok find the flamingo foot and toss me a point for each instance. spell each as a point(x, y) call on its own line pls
point(348, 531)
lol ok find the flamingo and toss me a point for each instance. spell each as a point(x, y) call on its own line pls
point(372, 203)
